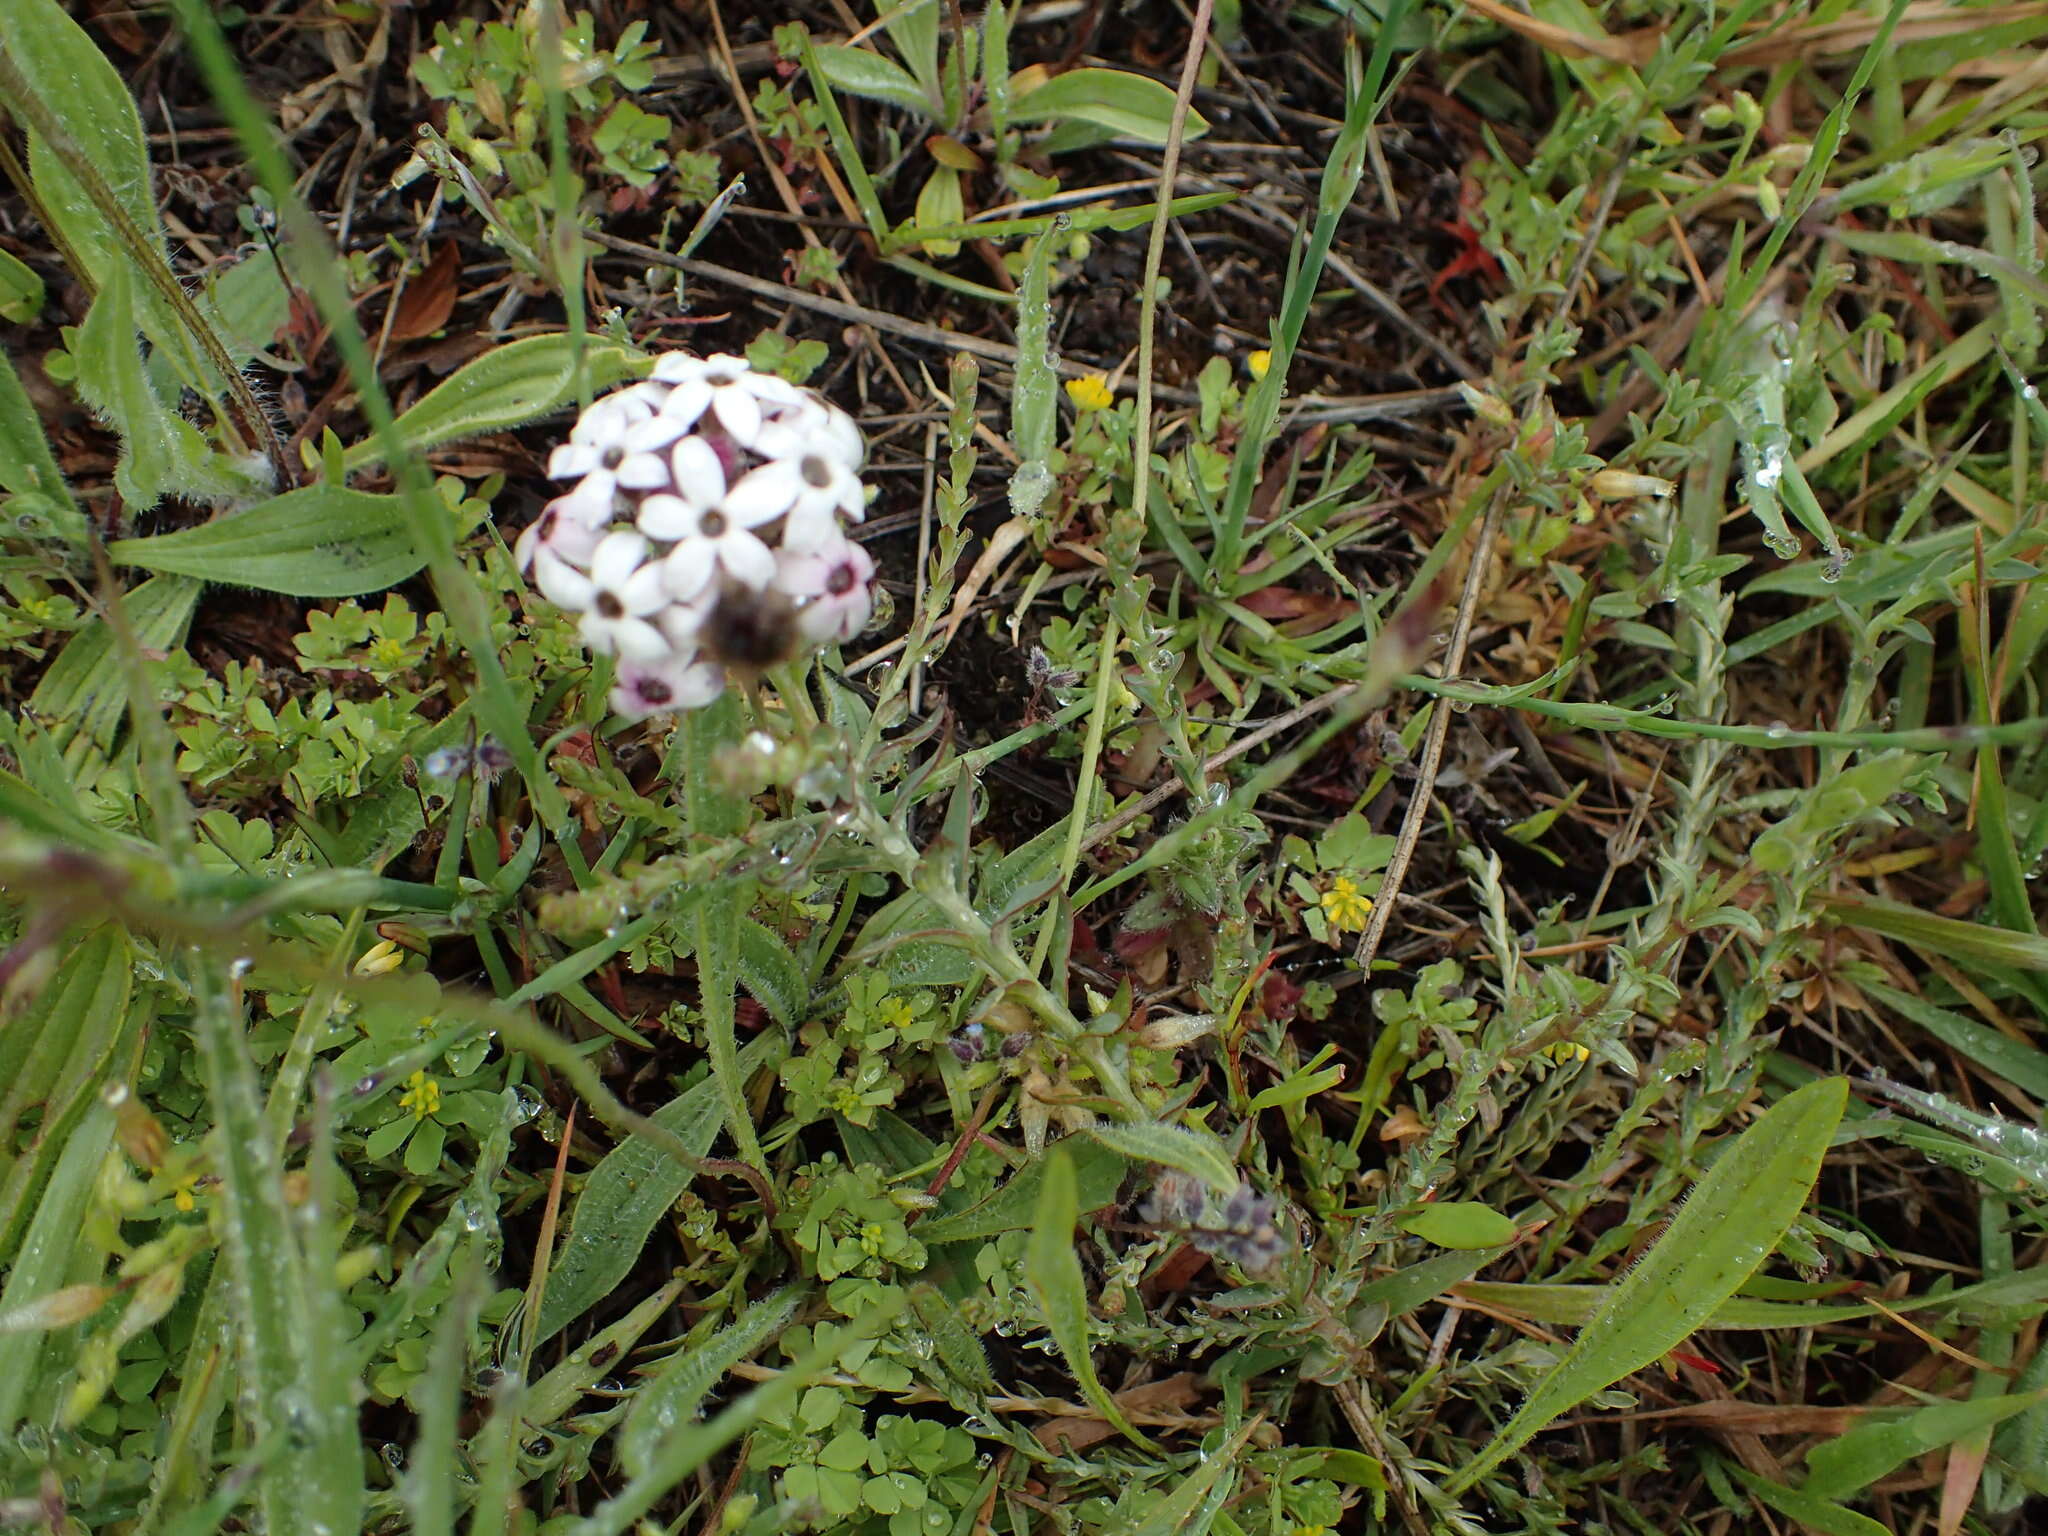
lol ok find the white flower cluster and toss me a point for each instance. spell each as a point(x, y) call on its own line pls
point(706, 529)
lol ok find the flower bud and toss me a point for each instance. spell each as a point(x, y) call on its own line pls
point(1175, 1030)
point(1621, 484)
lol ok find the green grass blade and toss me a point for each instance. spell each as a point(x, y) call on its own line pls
point(44, 1263)
point(1851, 1462)
point(284, 1312)
point(1736, 1215)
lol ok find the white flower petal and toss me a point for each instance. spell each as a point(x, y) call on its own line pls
point(699, 474)
point(644, 472)
point(810, 528)
point(746, 559)
point(762, 494)
point(638, 640)
point(678, 367)
point(572, 459)
point(739, 413)
point(589, 504)
point(657, 431)
point(666, 518)
point(560, 583)
point(687, 403)
point(645, 591)
point(617, 556)
point(689, 567)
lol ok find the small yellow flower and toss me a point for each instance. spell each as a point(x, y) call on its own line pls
point(1090, 392)
point(422, 1095)
point(1345, 905)
point(1565, 1051)
point(184, 1193)
point(895, 1013)
point(1259, 363)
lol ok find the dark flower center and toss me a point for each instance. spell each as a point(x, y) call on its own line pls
point(816, 472)
point(613, 456)
point(609, 607)
point(841, 581)
point(654, 692)
point(712, 524)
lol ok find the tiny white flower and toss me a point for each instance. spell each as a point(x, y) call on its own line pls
point(724, 387)
point(830, 587)
point(713, 537)
point(617, 599)
point(814, 425)
point(699, 484)
point(814, 489)
point(681, 682)
point(560, 530)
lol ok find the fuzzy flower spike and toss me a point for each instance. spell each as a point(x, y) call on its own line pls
point(704, 529)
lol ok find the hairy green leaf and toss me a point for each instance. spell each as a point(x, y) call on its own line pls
point(1172, 1146)
point(47, 1258)
point(81, 698)
point(320, 541)
point(87, 99)
point(507, 387)
point(54, 1056)
point(677, 1391)
point(160, 450)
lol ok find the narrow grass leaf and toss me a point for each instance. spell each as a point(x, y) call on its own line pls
point(628, 1192)
point(507, 387)
point(294, 1386)
point(55, 1057)
point(1052, 1270)
point(1736, 1215)
point(2018, 1063)
point(1853, 1461)
point(1816, 1514)
point(81, 699)
point(677, 1391)
point(1948, 936)
point(1190, 1509)
point(322, 541)
point(1172, 1146)
point(45, 1262)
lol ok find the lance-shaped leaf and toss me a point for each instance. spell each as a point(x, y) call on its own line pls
point(322, 541)
point(1735, 1217)
point(507, 387)
point(1052, 1269)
